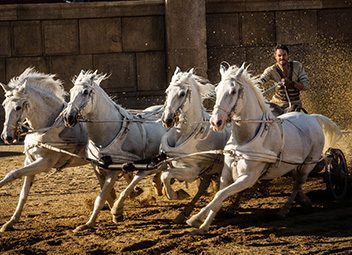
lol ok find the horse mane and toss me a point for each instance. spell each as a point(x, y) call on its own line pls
point(203, 85)
point(89, 75)
point(245, 77)
point(44, 83)
point(94, 79)
point(207, 90)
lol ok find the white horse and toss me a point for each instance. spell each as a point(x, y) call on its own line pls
point(113, 132)
point(190, 133)
point(37, 99)
point(262, 146)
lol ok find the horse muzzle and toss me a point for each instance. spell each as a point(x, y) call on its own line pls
point(169, 120)
point(8, 139)
point(217, 124)
point(70, 120)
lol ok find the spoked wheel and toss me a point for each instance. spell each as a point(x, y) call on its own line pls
point(336, 176)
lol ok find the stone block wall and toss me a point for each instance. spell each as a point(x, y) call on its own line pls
point(131, 41)
point(124, 39)
point(246, 31)
point(318, 33)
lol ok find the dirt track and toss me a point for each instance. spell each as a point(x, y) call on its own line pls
point(58, 203)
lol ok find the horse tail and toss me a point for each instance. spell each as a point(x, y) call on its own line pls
point(331, 131)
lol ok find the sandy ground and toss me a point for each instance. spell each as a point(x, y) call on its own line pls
point(60, 202)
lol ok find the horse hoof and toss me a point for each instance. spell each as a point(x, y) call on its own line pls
point(180, 219)
point(136, 192)
point(198, 232)
point(304, 201)
point(6, 227)
point(181, 194)
point(158, 191)
point(81, 228)
point(194, 222)
point(117, 218)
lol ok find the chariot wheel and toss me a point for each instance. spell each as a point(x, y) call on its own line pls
point(336, 175)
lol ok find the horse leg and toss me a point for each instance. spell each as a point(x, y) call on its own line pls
point(29, 170)
point(166, 178)
point(157, 184)
point(241, 183)
point(300, 175)
point(225, 180)
point(19, 208)
point(203, 186)
point(33, 168)
point(100, 174)
point(117, 209)
point(137, 190)
point(110, 180)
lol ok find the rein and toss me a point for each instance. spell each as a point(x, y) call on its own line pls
point(158, 160)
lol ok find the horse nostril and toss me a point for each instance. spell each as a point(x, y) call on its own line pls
point(169, 122)
point(70, 119)
point(9, 139)
point(219, 123)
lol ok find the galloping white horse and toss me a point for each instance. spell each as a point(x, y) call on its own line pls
point(37, 99)
point(190, 133)
point(113, 132)
point(262, 146)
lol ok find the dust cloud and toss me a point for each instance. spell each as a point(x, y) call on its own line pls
point(329, 66)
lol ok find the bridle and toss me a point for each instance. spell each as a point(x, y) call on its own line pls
point(20, 122)
point(179, 111)
point(232, 110)
point(79, 110)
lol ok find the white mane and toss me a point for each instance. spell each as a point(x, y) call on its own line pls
point(242, 75)
point(91, 78)
point(43, 83)
point(204, 87)
point(87, 77)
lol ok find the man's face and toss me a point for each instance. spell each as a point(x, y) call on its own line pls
point(281, 57)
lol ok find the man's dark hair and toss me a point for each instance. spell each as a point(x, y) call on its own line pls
point(281, 47)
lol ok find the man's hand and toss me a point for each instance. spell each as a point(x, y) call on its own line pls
point(288, 83)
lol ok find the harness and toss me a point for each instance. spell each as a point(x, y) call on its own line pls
point(113, 152)
point(286, 94)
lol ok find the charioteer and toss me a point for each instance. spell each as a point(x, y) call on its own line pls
point(290, 78)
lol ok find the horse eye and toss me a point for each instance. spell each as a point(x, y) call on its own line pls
point(18, 108)
point(232, 91)
point(85, 92)
point(182, 93)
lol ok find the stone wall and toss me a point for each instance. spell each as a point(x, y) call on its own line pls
point(318, 33)
point(135, 42)
point(124, 39)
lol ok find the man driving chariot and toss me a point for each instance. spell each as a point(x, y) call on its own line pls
point(289, 77)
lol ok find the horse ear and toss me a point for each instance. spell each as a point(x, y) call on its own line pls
point(23, 86)
point(223, 68)
point(5, 87)
point(240, 70)
point(191, 71)
point(177, 70)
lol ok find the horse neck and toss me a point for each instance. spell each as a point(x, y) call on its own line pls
point(245, 130)
point(43, 110)
point(106, 121)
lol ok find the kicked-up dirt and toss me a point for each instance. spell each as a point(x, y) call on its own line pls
point(61, 201)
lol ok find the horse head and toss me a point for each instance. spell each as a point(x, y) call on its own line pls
point(82, 96)
point(33, 97)
point(184, 97)
point(177, 94)
point(229, 95)
point(15, 105)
